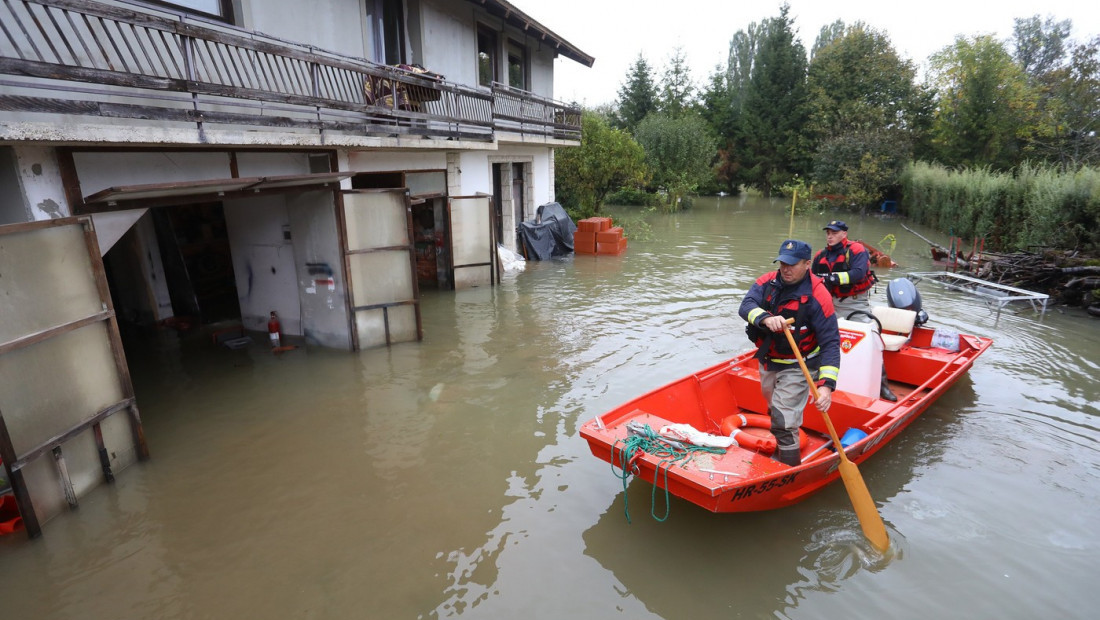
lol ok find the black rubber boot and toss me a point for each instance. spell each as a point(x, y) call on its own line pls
point(789, 456)
point(884, 391)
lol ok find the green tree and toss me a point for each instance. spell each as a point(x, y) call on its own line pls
point(1071, 111)
point(829, 33)
point(722, 101)
point(606, 160)
point(717, 109)
point(858, 81)
point(861, 117)
point(985, 104)
point(678, 151)
point(1040, 47)
point(637, 96)
point(677, 93)
point(773, 112)
point(862, 164)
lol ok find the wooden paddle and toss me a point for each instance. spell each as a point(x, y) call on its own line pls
point(869, 519)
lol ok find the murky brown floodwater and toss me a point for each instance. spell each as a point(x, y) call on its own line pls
point(446, 478)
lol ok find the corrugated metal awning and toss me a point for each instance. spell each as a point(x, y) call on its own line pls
point(181, 191)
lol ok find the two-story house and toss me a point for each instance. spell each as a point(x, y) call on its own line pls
point(194, 161)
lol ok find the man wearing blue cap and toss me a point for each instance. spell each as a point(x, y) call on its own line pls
point(845, 266)
point(791, 292)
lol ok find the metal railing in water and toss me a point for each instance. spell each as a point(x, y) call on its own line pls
point(140, 65)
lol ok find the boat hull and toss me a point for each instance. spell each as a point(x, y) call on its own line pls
point(741, 480)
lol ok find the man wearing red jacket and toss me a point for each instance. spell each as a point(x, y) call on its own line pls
point(845, 266)
point(792, 292)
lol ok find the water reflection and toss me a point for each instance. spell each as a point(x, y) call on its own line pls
point(446, 478)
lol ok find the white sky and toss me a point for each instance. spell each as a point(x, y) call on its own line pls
point(615, 31)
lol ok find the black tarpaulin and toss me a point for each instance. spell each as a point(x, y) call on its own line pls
point(549, 234)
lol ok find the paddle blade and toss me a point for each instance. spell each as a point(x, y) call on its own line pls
point(866, 511)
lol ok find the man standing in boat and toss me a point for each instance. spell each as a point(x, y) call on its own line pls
point(791, 292)
point(845, 266)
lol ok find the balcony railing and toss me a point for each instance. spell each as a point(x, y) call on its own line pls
point(519, 111)
point(138, 65)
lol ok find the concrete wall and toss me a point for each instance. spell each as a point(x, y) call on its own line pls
point(449, 30)
point(338, 26)
point(263, 262)
point(100, 170)
point(40, 182)
point(319, 268)
point(390, 161)
point(300, 278)
point(12, 207)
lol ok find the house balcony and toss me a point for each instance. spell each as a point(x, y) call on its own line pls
point(65, 61)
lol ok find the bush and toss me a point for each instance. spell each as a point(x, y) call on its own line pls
point(635, 197)
point(1034, 206)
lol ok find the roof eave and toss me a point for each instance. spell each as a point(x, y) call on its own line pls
point(515, 17)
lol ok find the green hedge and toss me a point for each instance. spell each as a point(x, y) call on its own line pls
point(1035, 205)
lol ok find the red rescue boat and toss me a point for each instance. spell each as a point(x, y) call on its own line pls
point(921, 363)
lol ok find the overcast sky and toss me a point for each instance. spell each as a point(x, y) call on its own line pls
point(615, 31)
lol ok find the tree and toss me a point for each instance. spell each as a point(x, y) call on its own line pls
point(677, 94)
point(829, 33)
point(862, 164)
point(722, 101)
point(1071, 111)
point(774, 109)
point(678, 151)
point(637, 96)
point(862, 117)
point(1040, 46)
point(858, 81)
point(985, 104)
point(606, 160)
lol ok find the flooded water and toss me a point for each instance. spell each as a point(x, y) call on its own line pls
point(447, 478)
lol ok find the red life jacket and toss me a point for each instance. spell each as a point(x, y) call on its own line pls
point(843, 262)
point(775, 346)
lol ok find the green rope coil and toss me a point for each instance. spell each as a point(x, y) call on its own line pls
point(641, 440)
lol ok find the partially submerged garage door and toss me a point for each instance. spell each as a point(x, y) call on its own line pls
point(380, 259)
point(63, 372)
point(473, 243)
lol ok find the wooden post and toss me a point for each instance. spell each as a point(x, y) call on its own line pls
point(18, 484)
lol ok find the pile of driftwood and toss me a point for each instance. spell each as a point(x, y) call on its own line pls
point(1069, 278)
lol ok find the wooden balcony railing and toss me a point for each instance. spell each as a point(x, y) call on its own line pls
point(519, 111)
point(140, 65)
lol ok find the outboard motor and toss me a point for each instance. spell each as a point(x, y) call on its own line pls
point(901, 293)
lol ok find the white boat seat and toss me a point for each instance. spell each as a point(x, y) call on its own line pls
point(897, 326)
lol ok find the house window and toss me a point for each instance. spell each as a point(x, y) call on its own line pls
point(388, 28)
point(486, 56)
point(218, 9)
point(517, 66)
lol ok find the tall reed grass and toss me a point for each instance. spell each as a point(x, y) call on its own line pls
point(1032, 206)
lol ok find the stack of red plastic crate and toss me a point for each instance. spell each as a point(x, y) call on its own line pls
point(596, 235)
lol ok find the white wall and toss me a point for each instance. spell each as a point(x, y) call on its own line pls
point(335, 26)
point(40, 179)
point(392, 161)
point(450, 46)
point(449, 32)
point(263, 262)
point(324, 314)
point(100, 170)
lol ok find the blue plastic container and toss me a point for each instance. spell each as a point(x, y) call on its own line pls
point(851, 436)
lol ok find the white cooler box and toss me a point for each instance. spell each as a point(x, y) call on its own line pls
point(860, 358)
